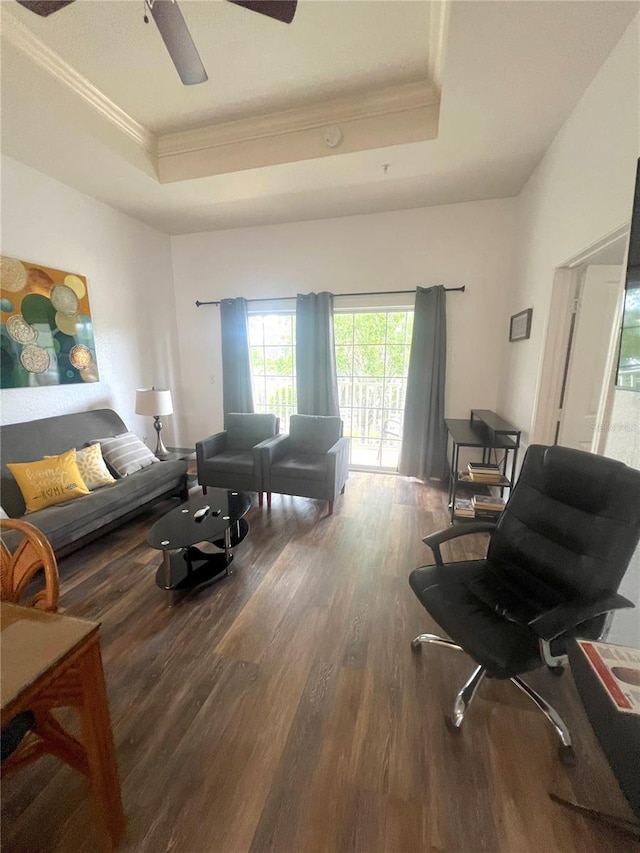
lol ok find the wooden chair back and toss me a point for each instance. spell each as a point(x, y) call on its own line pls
point(20, 562)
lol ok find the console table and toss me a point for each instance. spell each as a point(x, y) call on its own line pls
point(485, 431)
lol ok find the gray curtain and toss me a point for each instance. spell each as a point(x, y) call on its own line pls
point(424, 434)
point(236, 365)
point(316, 374)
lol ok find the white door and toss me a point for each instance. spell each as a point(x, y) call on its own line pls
point(587, 358)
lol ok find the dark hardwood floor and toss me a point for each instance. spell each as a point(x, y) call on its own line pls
point(283, 710)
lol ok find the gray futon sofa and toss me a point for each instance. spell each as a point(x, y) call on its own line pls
point(70, 525)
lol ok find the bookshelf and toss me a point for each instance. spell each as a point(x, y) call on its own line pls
point(488, 433)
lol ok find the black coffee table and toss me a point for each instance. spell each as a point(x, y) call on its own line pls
point(195, 552)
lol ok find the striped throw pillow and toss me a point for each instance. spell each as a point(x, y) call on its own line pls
point(125, 453)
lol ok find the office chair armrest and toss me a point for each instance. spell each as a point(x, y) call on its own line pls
point(210, 446)
point(564, 617)
point(434, 540)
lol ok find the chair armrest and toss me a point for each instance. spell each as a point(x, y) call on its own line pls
point(261, 457)
point(564, 617)
point(274, 448)
point(210, 446)
point(270, 451)
point(434, 540)
point(340, 447)
point(338, 463)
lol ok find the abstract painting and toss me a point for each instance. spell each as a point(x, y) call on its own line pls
point(46, 334)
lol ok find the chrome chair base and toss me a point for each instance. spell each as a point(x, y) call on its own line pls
point(465, 697)
point(565, 750)
point(433, 638)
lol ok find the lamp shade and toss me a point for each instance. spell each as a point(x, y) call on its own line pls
point(153, 401)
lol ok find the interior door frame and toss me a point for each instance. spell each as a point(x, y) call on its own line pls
point(565, 281)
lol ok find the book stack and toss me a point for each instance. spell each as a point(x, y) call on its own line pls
point(487, 507)
point(484, 472)
point(463, 508)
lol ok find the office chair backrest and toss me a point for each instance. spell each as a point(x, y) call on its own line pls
point(570, 526)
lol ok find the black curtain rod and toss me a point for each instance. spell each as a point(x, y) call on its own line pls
point(372, 293)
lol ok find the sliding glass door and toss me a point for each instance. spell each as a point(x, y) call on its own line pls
point(372, 354)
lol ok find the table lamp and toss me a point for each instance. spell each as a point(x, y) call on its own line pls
point(155, 402)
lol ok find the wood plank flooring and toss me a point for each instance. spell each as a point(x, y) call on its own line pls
point(283, 710)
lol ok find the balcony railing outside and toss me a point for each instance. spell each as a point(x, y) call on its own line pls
point(371, 408)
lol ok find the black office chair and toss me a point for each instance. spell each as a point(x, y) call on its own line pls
point(554, 563)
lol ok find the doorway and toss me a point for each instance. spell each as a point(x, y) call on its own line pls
point(584, 319)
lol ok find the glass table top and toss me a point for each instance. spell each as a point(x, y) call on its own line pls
point(180, 528)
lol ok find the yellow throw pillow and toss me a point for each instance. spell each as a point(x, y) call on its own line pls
point(92, 467)
point(50, 481)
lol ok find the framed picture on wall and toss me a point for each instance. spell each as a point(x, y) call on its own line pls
point(520, 325)
point(46, 330)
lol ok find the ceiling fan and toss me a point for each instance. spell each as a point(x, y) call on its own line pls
point(174, 31)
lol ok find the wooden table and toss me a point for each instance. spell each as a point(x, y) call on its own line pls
point(47, 661)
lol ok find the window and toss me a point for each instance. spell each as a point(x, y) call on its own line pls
point(372, 355)
point(272, 339)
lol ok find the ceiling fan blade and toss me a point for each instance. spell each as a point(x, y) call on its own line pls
point(281, 10)
point(177, 38)
point(44, 7)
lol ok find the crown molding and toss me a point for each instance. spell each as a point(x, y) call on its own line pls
point(391, 115)
point(23, 39)
point(438, 34)
point(386, 101)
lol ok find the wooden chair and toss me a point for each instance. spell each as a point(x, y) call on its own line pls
point(25, 551)
point(18, 568)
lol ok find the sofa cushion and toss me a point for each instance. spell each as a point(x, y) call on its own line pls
point(31, 440)
point(125, 453)
point(49, 481)
point(244, 431)
point(106, 505)
point(301, 466)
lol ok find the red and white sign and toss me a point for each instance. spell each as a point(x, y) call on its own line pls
point(618, 668)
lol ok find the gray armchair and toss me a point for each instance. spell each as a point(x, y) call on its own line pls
point(312, 461)
point(231, 459)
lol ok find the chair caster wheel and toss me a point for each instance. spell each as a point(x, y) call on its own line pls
point(556, 670)
point(567, 756)
point(451, 725)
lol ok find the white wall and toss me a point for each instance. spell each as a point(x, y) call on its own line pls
point(452, 245)
point(129, 280)
point(581, 191)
